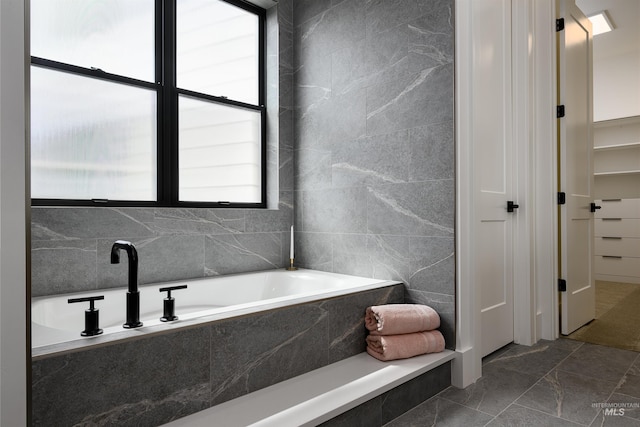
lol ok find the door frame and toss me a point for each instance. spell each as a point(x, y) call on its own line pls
point(577, 304)
point(535, 231)
point(545, 181)
point(15, 298)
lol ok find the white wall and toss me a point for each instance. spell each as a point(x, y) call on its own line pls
point(616, 87)
point(13, 211)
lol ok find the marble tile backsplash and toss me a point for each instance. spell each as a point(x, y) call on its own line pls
point(374, 133)
point(70, 246)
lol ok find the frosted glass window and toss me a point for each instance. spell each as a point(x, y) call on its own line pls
point(219, 152)
point(218, 50)
point(116, 36)
point(91, 139)
point(139, 133)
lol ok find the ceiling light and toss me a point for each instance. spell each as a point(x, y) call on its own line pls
point(601, 23)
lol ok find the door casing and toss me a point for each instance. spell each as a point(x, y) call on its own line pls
point(535, 236)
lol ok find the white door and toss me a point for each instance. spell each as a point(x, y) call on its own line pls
point(493, 174)
point(576, 167)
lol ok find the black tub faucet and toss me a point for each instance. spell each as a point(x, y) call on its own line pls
point(133, 295)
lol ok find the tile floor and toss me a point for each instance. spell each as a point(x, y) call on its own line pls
point(553, 383)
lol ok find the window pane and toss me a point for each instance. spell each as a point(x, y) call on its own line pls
point(91, 139)
point(217, 49)
point(116, 36)
point(219, 153)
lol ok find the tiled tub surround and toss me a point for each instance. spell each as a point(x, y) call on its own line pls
point(158, 378)
point(374, 153)
point(71, 246)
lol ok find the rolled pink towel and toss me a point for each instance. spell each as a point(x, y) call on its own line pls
point(391, 347)
point(393, 319)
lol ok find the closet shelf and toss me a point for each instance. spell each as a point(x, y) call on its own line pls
point(617, 146)
point(616, 122)
point(611, 173)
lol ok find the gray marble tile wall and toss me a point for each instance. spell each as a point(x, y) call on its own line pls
point(374, 148)
point(365, 89)
point(70, 246)
point(153, 380)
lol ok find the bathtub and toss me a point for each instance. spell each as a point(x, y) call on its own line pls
point(57, 325)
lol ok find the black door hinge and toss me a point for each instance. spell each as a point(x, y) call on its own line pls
point(560, 111)
point(560, 24)
point(562, 285)
point(562, 198)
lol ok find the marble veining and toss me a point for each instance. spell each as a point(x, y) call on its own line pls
point(42, 231)
point(260, 359)
point(415, 83)
point(507, 356)
point(372, 76)
point(90, 247)
point(144, 412)
point(241, 249)
point(256, 251)
point(209, 221)
point(427, 267)
point(131, 218)
point(421, 46)
point(366, 172)
point(397, 207)
point(312, 28)
point(347, 334)
point(324, 95)
point(557, 391)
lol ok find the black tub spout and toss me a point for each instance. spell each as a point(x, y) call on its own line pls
point(133, 295)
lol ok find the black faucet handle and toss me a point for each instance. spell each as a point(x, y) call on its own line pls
point(91, 316)
point(168, 289)
point(90, 300)
point(169, 308)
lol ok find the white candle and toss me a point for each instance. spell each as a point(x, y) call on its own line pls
point(291, 245)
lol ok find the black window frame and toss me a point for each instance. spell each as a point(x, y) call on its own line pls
point(167, 94)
